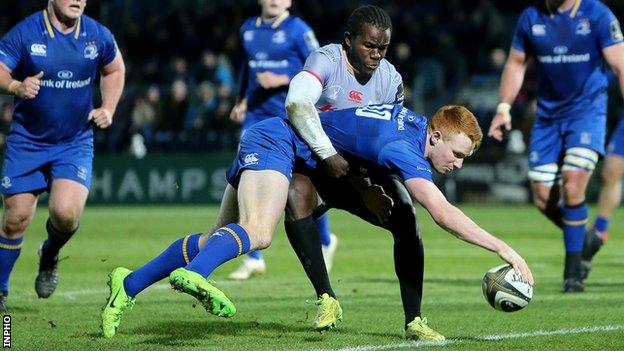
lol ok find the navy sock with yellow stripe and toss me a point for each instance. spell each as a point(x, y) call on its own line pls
point(177, 255)
point(574, 221)
point(10, 250)
point(225, 244)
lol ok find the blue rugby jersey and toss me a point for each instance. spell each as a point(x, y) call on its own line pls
point(568, 47)
point(389, 136)
point(280, 47)
point(70, 63)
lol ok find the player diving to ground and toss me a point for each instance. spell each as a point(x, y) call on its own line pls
point(388, 137)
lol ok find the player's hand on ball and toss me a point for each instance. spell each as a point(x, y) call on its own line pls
point(517, 262)
point(501, 122)
point(336, 166)
point(237, 115)
point(102, 117)
point(378, 202)
point(29, 88)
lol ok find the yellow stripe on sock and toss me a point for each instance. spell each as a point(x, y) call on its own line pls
point(184, 252)
point(575, 223)
point(10, 247)
point(237, 238)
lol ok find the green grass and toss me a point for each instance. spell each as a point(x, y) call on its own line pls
point(276, 310)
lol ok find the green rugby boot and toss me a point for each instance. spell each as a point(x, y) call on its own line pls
point(327, 314)
point(419, 330)
point(118, 302)
point(213, 299)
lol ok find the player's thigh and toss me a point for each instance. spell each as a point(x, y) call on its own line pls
point(261, 200)
point(67, 201)
point(18, 212)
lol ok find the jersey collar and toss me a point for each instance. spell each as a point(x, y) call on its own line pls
point(277, 21)
point(573, 12)
point(48, 24)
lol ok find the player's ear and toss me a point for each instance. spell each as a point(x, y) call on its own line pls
point(347, 40)
point(435, 137)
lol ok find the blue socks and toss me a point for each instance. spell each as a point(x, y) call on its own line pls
point(601, 225)
point(10, 250)
point(256, 255)
point(225, 244)
point(574, 220)
point(322, 224)
point(177, 255)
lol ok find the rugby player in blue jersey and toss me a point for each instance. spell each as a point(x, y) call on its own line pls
point(51, 62)
point(276, 45)
point(570, 40)
point(388, 138)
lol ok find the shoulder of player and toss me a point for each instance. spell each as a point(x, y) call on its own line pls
point(28, 23)
point(331, 51)
point(294, 23)
point(596, 9)
point(249, 23)
point(390, 71)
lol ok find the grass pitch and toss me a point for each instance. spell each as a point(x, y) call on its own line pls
point(275, 311)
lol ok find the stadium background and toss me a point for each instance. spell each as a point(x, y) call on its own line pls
point(172, 139)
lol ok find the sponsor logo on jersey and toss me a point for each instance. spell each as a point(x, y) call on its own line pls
point(91, 51)
point(82, 172)
point(38, 50)
point(248, 35)
point(279, 37)
point(6, 182)
point(616, 31)
point(261, 55)
point(538, 30)
point(251, 159)
point(583, 28)
point(560, 50)
point(355, 96)
point(65, 74)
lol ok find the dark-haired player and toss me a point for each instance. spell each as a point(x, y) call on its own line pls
point(50, 62)
point(337, 76)
point(571, 40)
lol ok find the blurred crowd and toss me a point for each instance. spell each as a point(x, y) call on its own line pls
point(183, 59)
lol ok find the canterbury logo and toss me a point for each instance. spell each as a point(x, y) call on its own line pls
point(38, 50)
point(355, 96)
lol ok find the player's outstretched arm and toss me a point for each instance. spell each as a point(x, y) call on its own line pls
point(457, 223)
point(304, 91)
point(27, 89)
point(113, 79)
point(511, 82)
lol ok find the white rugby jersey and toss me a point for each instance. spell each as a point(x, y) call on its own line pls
point(340, 88)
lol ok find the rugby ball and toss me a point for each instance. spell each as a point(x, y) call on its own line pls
point(506, 290)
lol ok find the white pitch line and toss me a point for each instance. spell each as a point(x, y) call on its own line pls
point(72, 294)
point(493, 337)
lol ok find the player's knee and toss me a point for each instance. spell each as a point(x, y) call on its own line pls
point(65, 220)
point(302, 199)
point(15, 225)
point(611, 175)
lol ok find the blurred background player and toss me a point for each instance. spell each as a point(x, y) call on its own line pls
point(571, 40)
point(50, 62)
point(276, 45)
point(389, 137)
point(610, 194)
point(335, 77)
